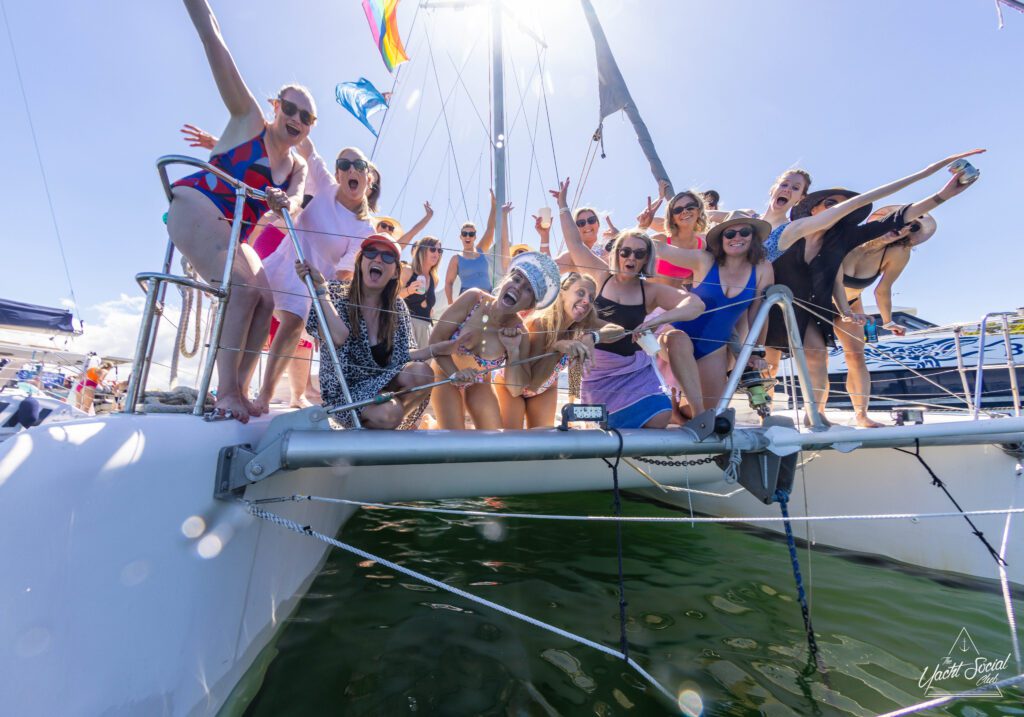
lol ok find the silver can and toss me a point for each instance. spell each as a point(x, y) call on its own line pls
point(967, 172)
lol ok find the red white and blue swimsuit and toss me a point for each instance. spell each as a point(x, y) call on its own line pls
point(249, 163)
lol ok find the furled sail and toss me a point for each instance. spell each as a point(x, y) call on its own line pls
point(615, 95)
point(29, 317)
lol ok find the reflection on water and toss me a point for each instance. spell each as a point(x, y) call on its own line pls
point(712, 615)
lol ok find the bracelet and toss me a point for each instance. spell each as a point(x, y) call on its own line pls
point(321, 291)
point(563, 210)
point(596, 335)
point(891, 325)
point(937, 199)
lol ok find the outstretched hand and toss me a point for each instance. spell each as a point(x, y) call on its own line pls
point(428, 211)
point(560, 193)
point(954, 187)
point(506, 209)
point(612, 231)
point(971, 153)
point(197, 137)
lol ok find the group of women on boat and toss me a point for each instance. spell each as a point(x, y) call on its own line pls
point(649, 317)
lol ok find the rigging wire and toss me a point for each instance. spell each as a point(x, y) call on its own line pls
point(394, 83)
point(39, 159)
point(444, 114)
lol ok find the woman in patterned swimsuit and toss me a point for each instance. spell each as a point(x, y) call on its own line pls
point(370, 326)
point(569, 327)
point(199, 220)
point(490, 333)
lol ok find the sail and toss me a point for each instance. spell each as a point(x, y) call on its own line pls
point(614, 94)
point(29, 317)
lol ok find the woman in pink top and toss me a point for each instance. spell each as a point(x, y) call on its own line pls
point(685, 223)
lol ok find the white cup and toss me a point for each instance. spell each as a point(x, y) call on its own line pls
point(420, 283)
point(545, 217)
point(649, 343)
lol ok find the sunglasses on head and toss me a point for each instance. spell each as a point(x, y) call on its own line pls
point(343, 164)
point(679, 209)
point(626, 252)
point(744, 232)
point(584, 222)
point(385, 256)
point(290, 109)
point(468, 233)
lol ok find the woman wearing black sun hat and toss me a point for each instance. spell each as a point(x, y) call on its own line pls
point(825, 228)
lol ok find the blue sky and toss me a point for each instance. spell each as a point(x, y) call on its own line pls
point(733, 91)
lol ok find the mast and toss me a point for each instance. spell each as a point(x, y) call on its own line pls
point(497, 134)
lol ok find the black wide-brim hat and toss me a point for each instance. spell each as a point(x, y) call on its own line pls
point(805, 205)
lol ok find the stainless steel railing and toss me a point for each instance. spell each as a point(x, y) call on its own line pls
point(1011, 361)
point(776, 295)
point(155, 286)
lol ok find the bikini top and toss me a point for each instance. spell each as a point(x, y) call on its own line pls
point(628, 316)
point(853, 282)
point(480, 361)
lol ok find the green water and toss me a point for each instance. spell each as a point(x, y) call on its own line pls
point(712, 615)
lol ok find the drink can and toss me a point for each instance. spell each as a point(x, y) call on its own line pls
point(421, 288)
point(967, 172)
point(871, 331)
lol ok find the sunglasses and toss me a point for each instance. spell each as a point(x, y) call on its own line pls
point(915, 227)
point(468, 234)
point(829, 203)
point(290, 109)
point(626, 252)
point(385, 256)
point(688, 208)
point(744, 232)
point(343, 165)
point(384, 226)
point(584, 222)
point(433, 249)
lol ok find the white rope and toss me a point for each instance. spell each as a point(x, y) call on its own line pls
point(946, 699)
point(306, 530)
point(1004, 583)
point(635, 519)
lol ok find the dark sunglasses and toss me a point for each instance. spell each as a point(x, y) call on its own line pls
point(677, 209)
point(626, 252)
point(915, 227)
point(386, 227)
point(385, 256)
point(343, 165)
point(468, 233)
point(744, 232)
point(829, 203)
point(290, 109)
point(433, 248)
point(584, 222)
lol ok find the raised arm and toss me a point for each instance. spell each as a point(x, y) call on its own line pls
point(237, 97)
point(582, 257)
point(544, 234)
point(319, 177)
point(406, 239)
point(450, 276)
point(805, 226)
point(487, 239)
point(952, 189)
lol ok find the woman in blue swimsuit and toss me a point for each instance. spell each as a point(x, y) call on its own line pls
point(257, 152)
point(732, 275)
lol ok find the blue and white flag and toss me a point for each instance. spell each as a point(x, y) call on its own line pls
point(362, 99)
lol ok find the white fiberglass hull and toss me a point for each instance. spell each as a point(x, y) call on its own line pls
point(877, 481)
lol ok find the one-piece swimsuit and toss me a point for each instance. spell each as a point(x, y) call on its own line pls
point(248, 163)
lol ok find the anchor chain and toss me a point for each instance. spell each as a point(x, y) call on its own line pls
point(675, 464)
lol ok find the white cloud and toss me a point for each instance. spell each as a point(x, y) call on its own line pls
point(67, 303)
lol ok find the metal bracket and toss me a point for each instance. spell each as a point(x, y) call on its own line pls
point(242, 465)
point(763, 472)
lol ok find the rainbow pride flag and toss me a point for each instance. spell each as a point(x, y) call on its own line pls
point(381, 14)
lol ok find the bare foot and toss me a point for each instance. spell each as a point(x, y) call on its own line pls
point(259, 405)
point(863, 421)
point(231, 406)
point(300, 402)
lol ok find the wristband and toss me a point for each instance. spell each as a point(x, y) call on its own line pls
point(321, 291)
point(937, 199)
point(890, 325)
point(563, 210)
point(596, 336)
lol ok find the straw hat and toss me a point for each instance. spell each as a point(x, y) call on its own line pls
point(518, 249)
point(542, 273)
point(927, 223)
point(805, 205)
point(761, 228)
point(397, 233)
